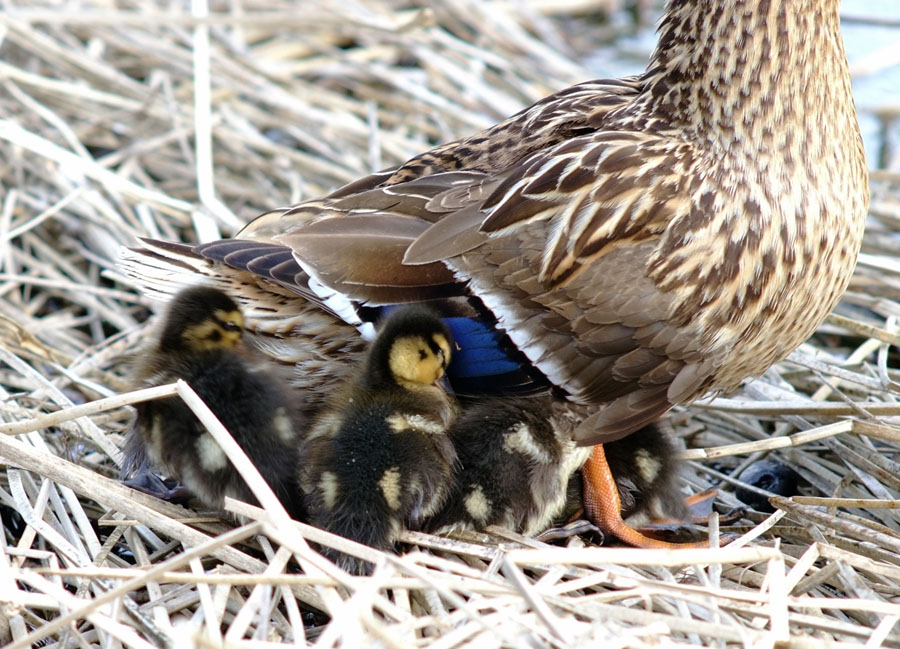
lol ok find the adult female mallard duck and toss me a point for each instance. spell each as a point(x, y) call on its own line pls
point(201, 343)
point(624, 245)
point(378, 458)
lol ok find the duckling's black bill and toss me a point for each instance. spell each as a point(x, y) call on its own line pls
point(603, 506)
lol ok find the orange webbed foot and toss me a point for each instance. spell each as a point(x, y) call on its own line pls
point(603, 506)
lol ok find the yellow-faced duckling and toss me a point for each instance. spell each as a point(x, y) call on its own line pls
point(201, 343)
point(515, 461)
point(379, 458)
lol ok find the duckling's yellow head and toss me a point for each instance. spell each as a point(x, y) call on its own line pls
point(419, 359)
point(201, 319)
point(412, 349)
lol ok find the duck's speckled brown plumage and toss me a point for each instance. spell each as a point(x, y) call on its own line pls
point(200, 342)
point(641, 241)
point(699, 234)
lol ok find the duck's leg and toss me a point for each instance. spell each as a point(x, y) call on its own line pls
point(604, 508)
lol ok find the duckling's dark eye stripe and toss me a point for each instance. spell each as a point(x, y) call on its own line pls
point(423, 354)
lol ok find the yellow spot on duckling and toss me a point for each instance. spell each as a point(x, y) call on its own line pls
point(508, 520)
point(326, 426)
point(401, 423)
point(328, 486)
point(648, 465)
point(520, 440)
point(223, 330)
point(477, 504)
point(415, 362)
point(390, 487)
point(283, 426)
point(212, 457)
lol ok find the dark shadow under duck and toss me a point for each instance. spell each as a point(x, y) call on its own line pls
point(201, 343)
point(763, 479)
point(378, 459)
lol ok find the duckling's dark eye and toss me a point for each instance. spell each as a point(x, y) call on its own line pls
point(215, 335)
point(422, 355)
point(228, 325)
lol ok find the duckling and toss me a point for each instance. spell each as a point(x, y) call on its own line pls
point(645, 467)
point(201, 343)
point(517, 456)
point(379, 458)
point(515, 460)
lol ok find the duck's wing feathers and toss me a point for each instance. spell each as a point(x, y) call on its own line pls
point(361, 256)
point(528, 239)
point(565, 242)
point(595, 193)
point(571, 112)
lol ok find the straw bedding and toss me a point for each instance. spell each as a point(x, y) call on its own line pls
point(182, 123)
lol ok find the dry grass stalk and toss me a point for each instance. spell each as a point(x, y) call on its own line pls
point(161, 121)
